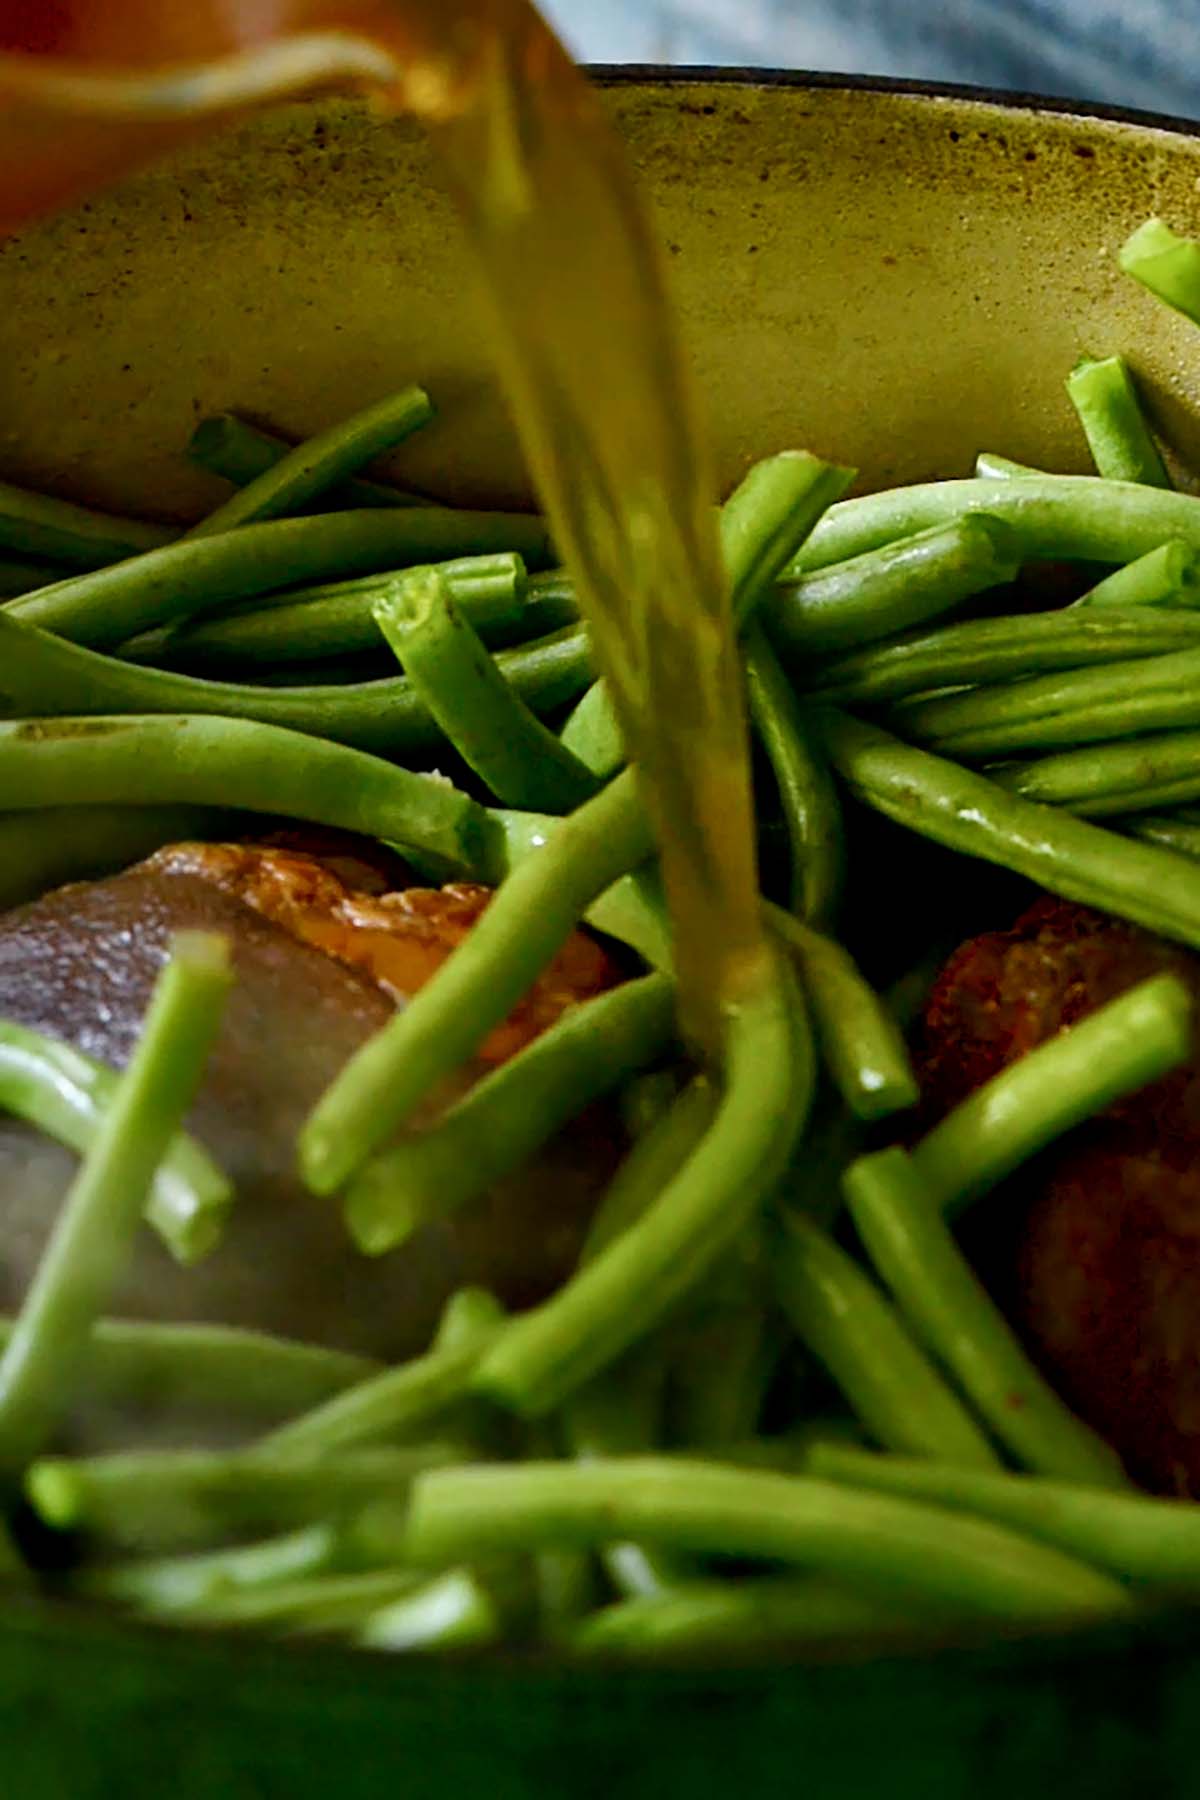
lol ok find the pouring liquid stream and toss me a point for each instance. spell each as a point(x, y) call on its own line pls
point(598, 386)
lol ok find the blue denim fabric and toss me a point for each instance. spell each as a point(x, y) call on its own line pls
point(1143, 53)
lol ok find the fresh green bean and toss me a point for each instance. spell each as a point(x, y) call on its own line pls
point(1129, 776)
point(160, 1499)
point(967, 812)
point(1167, 264)
point(723, 1354)
point(94, 1230)
point(38, 526)
point(1057, 518)
point(315, 623)
point(1163, 577)
point(1000, 649)
point(538, 905)
point(991, 467)
point(911, 1247)
point(108, 606)
point(175, 1583)
point(143, 1366)
point(894, 1547)
point(509, 1115)
point(652, 1164)
point(46, 677)
point(1106, 401)
point(234, 762)
point(1130, 1535)
point(863, 1047)
point(465, 692)
point(761, 1617)
point(1167, 830)
point(764, 521)
point(892, 585)
point(856, 1334)
point(239, 452)
point(453, 1612)
point(321, 462)
point(399, 1402)
point(67, 1095)
point(321, 1604)
point(807, 794)
point(1122, 1046)
point(43, 849)
point(1051, 712)
point(626, 1289)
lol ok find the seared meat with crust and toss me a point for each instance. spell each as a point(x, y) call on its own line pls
point(1094, 1250)
point(317, 973)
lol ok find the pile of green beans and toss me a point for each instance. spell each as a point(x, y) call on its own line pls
point(733, 1370)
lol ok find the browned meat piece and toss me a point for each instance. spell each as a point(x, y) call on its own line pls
point(1095, 1249)
point(319, 966)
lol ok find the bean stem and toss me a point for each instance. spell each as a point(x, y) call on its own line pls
point(895, 1547)
point(92, 1234)
point(914, 1253)
point(309, 469)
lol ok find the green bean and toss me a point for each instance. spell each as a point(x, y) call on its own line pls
point(46, 676)
point(321, 462)
point(967, 812)
point(654, 1161)
point(892, 585)
point(1167, 830)
point(807, 795)
point(1049, 712)
point(863, 1047)
point(986, 650)
point(1130, 1535)
point(475, 989)
point(43, 849)
point(23, 577)
point(1120, 1047)
point(626, 1289)
point(1138, 775)
point(35, 525)
point(173, 1583)
point(894, 1547)
point(1104, 397)
point(760, 1617)
point(67, 1095)
point(452, 1612)
point(227, 446)
point(763, 522)
point(234, 762)
point(991, 467)
point(1165, 263)
point(860, 1340)
point(160, 1499)
point(722, 1362)
point(395, 1402)
point(321, 1604)
point(315, 623)
point(505, 1119)
point(1163, 577)
point(94, 1230)
point(141, 1365)
point(176, 582)
point(465, 692)
point(912, 1249)
point(1057, 518)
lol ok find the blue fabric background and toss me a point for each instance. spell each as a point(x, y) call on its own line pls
point(1143, 53)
